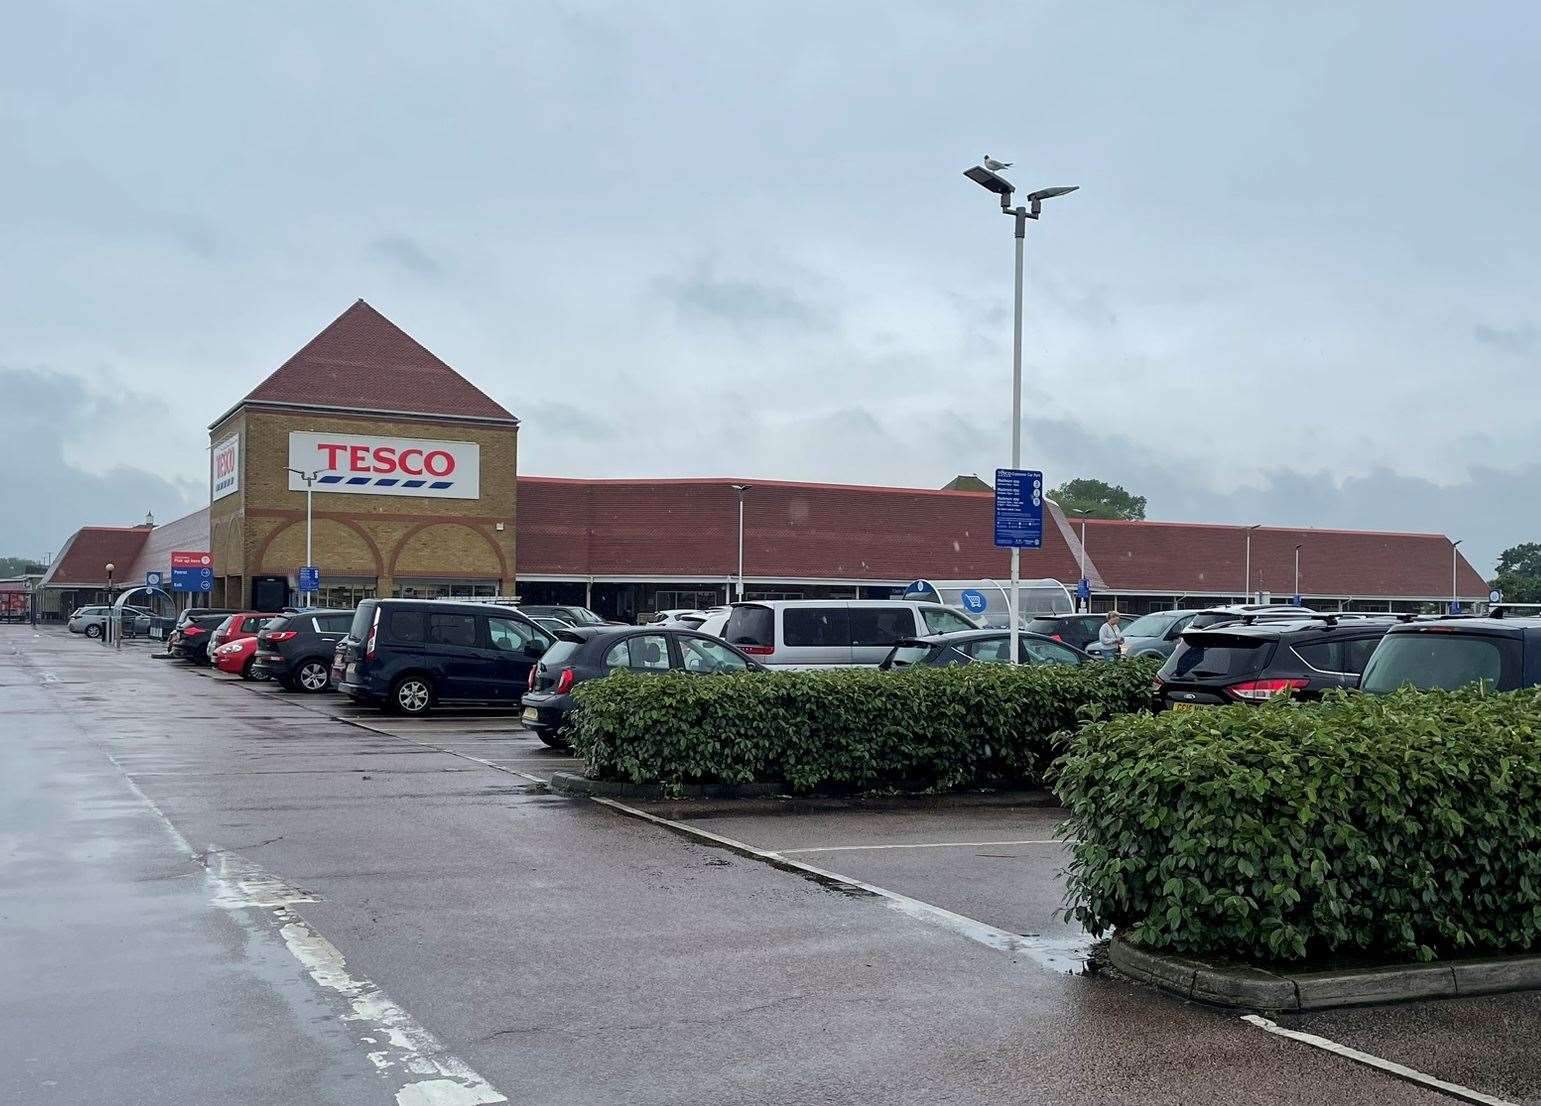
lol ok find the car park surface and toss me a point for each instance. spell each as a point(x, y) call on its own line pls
point(191, 837)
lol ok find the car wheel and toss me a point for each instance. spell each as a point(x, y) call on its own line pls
point(247, 672)
point(312, 676)
point(554, 739)
point(411, 695)
point(93, 630)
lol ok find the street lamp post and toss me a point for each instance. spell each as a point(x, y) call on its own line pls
point(108, 621)
point(741, 489)
point(1003, 188)
point(1297, 575)
point(1083, 513)
point(310, 480)
point(1248, 584)
point(1455, 600)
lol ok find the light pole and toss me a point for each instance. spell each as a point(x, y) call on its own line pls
point(1455, 600)
point(1003, 188)
point(108, 621)
point(310, 480)
point(1297, 576)
point(741, 489)
point(1083, 513)
point(1248, 584)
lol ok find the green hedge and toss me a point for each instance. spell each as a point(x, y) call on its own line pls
point(851, 727)
point(1404, 826)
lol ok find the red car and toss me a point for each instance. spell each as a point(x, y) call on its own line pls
point(237, 656)
point(245, 624)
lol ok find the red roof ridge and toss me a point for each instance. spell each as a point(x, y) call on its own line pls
point(1281, 529)
point(752, 482)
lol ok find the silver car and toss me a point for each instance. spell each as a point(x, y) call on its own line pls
point(832, 633)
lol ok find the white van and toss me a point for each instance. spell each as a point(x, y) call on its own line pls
point(829, 633)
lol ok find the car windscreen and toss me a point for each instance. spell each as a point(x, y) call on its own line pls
point(559, 652)
point(1203, 656)
point(751, 626)
point(1431, 659)
point(1152, 625)
point(363, 618)
point(581, 616)
point(1045, 626)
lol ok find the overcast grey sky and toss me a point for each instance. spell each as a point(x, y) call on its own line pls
point(1298, 286)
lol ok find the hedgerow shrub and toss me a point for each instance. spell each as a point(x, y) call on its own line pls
point(1402, 826)
point(850, 727)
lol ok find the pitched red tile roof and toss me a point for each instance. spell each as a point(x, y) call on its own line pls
point(1200, 558)
point(364, 362)
point(682, 528)
point(83, 560)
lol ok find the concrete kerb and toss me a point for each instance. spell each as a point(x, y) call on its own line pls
point(1243, 987)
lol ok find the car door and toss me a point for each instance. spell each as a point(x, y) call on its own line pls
point(461, 662)
point(642, 653)
point(1037, 651)
point(330, 628)
point(875, 630)
point(703, 657)
point(516, 648)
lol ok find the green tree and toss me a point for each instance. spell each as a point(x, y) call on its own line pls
point(1098, 499)
point(1519, 573)
point(16, 566)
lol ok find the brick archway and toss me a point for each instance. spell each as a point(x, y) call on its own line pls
point(369, 543)
point(497, 551)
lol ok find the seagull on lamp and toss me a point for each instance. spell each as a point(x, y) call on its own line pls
point(995, 166)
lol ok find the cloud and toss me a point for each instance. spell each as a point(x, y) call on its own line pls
point(406, 254)
point(1523, 340)
point(561, 421)
point(45, 497)
point(748, 306)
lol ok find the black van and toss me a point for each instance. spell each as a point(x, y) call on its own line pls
point(408, 654)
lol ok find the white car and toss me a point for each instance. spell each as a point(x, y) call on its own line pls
point(716, 621)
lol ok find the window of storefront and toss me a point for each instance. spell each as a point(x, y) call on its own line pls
point(442, 589)
point(342, 593)
point(695, 600)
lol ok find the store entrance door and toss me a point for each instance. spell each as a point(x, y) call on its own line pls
point(269, 593)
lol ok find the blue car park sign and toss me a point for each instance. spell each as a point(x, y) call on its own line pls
point(1083, 590)
point(974, 601)
point(152, 579)
point(310, 578)
point(1018, 508)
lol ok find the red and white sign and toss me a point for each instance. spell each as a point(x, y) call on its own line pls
point(365, 464)
point(226, 463)
point(185, 559)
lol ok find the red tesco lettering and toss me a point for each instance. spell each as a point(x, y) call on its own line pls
point(385, 459)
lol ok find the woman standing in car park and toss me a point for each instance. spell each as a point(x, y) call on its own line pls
point(1110, 635)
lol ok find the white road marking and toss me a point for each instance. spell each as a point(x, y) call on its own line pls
point(924, 845)
point(1455, 1090)
point(1058, 955)
point(425, 1073)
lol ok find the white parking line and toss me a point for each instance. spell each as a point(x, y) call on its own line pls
point(1063, 955)
point(1391, 1067)
point(923, 845)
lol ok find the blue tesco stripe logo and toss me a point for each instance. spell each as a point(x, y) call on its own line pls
point(386, 482)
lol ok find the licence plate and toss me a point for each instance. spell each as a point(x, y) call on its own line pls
point(155, 631)
point(531, 714)
point(1184, 706)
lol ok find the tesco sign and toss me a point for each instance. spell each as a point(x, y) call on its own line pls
point(365, 464)
point(226, 475)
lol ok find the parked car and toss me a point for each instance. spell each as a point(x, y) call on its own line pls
point(716, 621)
point(546, 622)
point(1150, 635)
point(92, 621)
point(237, 656)
point(826, 633)
point(190, 640)
point(239, 625)
point(407, 655)
point(588, 653)
point(573, 616)
point(979, 646)
point(1450, 653)
point(296, 650)
point(1237, 663)
point(1219, 616)
point(1079, 630)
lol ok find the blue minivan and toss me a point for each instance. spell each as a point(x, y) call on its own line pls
point(407, 655)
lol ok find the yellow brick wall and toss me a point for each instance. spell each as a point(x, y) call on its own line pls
point(260, 529)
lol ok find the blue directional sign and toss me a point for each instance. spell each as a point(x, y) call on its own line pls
point(192, 579)
point(1296, 600)
point(1455, 606)
point(1083, 590)
point(1495, 596)
point(973, 601)
point(1019, 508)
point(152, 579)
point(310, 578)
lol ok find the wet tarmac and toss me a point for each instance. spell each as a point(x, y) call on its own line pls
point(211, 891)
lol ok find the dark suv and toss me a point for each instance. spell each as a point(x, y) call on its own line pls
point(1251, 662)
point(190, 640)
point(1079, 630)
point(1455, 652)
point(296, 650)
point(409, 654)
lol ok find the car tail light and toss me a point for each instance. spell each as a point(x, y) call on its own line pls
point(756, 650)
point(369, 642)
point(192, 631)
point(534, 671)
point(1157, 683)
point(1255, 691)
point(281, 635)
point(564, 682)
